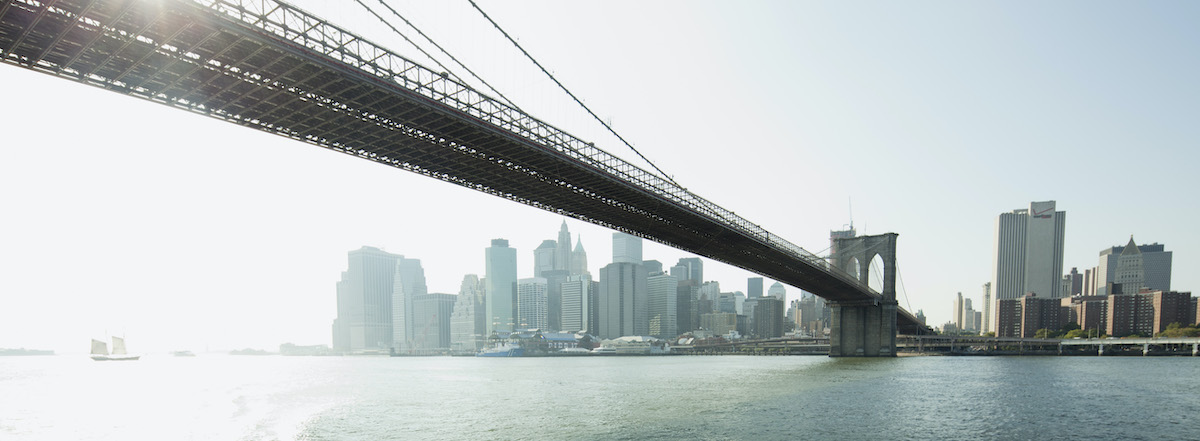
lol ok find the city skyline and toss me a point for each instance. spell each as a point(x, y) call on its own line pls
point(160, 231)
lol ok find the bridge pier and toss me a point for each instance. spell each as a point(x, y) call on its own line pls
point(862, 330)
point(865, 328)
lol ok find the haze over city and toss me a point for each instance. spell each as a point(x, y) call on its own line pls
point(180, 231)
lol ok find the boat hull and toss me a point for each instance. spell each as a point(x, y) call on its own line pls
point(513, 352)
point(116, 357)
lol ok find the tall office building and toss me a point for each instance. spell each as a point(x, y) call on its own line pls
point(768, 317)
point(364, 301)
point(1153, 262)
point(431, 321)
point(689, 268)
point(562, 253)
point(754, 287)
point(623, 308)
point(777, 290)
point(986, 317)
point(708, 294)
point(1028, 254)
point(554, 282)
point(626, 248)
point(578, 299)
point(652, 267)
point(544, 257)
point(468, 323)
point(408, 283)
point(956, 316)
point(500, 286)
point(687, 317)
point(726, 302)
point(662, 291)
point(531, 303)
point(1072, 283)
point(579, 266)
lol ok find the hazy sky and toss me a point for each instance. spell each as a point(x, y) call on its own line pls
point(183, 232)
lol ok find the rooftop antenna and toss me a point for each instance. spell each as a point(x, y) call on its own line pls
point(850, 204)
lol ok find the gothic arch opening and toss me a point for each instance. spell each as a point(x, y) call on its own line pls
point(852, 268)
point(875, 274)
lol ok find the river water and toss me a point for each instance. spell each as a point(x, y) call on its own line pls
point(220, 397)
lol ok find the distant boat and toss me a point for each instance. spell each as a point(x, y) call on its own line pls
point(503, 350)
point(100, 351)
point(184, 354)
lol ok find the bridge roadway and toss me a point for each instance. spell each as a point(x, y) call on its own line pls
point(272, 67)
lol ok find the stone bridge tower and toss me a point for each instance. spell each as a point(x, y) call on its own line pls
point(865, 328)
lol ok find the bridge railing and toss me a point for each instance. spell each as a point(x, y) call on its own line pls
point(310, 33)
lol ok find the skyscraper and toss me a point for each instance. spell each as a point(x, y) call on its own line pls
point(1028, 253)
point(957, 317)
point(544, 257)
point(531, 303)
point(579, 266)
point(1155, 267)
point(468, 323)
point(626, 248)
point(986, 317)
point(754, 287)
point(622, 302)
point(408, 283)
point(364, 301)
point(562, 253)
point(689, 268)
point(768, 317)
point(778, 291)
point(707, 296)
point(431, 321)
point(662, 292)
point(578, 297)
point(652, 267)
point(500, 284)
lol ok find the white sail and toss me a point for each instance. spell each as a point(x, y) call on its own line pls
point(118, 346)
point(99, 347)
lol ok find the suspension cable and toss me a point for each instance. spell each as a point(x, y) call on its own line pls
point(405, 37)
point(444, 51)
point(902, 289)
point(577, 100)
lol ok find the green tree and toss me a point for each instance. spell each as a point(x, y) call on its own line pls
point(1178, 330)
point(1044, 333)
point(989, 334)
point(1069, 327)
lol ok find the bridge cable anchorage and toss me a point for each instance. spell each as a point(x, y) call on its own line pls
point(440, 48)
point(577, 100)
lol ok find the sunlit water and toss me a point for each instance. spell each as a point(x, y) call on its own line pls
point(724, 397)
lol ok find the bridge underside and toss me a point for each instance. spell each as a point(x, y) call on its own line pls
point(335, 91)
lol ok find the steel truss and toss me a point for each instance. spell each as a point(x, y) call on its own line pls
point(271, 66)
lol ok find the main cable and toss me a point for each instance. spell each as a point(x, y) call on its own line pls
point(444, 51)
point(577, 100)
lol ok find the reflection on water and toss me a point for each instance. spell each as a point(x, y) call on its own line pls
point(722, 397)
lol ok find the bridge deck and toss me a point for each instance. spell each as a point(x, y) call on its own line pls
point(269, 66)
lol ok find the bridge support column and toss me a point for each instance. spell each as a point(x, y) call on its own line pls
point(865, 328)
point(862, 330)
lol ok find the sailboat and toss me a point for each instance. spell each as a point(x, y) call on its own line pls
point(100, 351)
